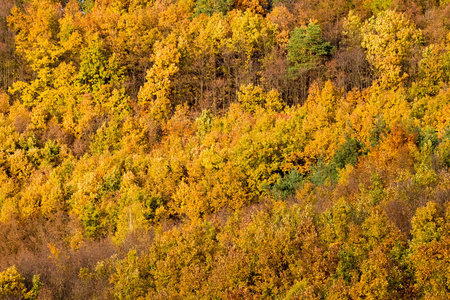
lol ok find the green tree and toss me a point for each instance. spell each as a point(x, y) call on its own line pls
point(209, 7)
point(306, 47)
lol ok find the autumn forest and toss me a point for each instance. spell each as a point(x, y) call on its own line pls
point(224, 149)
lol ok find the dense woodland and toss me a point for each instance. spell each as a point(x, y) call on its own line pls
point(220, 149)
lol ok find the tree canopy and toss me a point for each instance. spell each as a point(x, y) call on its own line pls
point(218, 149)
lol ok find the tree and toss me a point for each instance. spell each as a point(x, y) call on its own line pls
point(251, 35)
point(154, 95)
point(388, 39)
point(253, 98)
point(430, 252)
point(255, 6)
point(37, 29)
point(306, 47)
point(209, 7)
point(96, 69)
point(434, 70)
point(12, 285)
point(380, 5)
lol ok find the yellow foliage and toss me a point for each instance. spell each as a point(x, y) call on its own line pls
point(319, 125)
point(11, 283)
point(388, 39)
point(249, 33)
point(4, 103)
point(155, 92)
point(38, 118)
point(122, 87)
point(37, 27)
point(253, 98)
